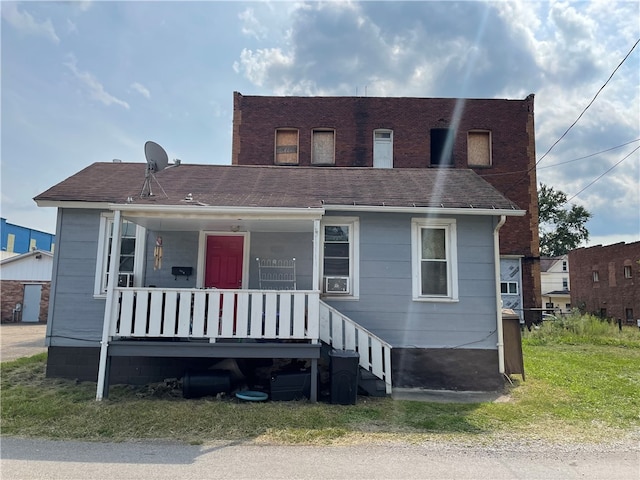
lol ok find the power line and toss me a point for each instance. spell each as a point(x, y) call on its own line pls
point(577, 119)
point(591, 102)
point(614, 166)
point(561, 163)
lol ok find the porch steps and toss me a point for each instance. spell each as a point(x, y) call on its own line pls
point(371, 385)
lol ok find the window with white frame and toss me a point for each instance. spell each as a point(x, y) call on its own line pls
point(434, 253)
point(509, 288)
point(131, 253)
point(596, 276)
point(627, 271)
point(339, 256)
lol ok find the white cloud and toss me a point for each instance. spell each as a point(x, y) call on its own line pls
point(94, 87)
point(262, 63)
point(24, 22)
point(251, 26)
point(141, 89)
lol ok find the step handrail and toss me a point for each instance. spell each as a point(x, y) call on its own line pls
point(341, 333)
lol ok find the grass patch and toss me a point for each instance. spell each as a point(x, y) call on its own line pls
point(580, 387)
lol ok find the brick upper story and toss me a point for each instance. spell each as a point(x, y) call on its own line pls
point(508, 123)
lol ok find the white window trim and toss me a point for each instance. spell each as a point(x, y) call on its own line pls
point(509, 282)
point(106, 219)
point(354, 256)
point(417, 224)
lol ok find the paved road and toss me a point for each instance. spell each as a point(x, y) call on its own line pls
point(40, 459)
point(21, 340)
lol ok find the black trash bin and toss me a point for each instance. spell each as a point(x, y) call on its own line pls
point(344, 376)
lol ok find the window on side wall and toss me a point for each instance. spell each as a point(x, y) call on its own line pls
point(442, 140)
point(434, 254)
point(627, 271)
point(339, 257)
point(323, 147)
point(131, 253)
point(479, 149)
point(509, 288)
point(286, 147)
point(596, 276)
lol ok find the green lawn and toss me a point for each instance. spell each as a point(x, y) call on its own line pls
point(577, 389)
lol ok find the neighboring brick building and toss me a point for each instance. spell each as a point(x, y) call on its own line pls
point(493, 137)
point(605, 280)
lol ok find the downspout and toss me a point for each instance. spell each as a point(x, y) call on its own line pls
point(108, 307)
point(496, 262)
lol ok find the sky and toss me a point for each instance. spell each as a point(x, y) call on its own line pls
point(85, 82)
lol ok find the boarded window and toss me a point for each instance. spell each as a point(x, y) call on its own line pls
point(479, 149)
point(442, 140)
point(323, 152)
point(286, 147)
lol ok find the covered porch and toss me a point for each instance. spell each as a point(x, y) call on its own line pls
point(277, 315)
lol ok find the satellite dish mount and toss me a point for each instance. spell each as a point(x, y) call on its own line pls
point(157, 160)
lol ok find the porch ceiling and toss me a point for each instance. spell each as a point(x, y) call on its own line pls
point(213, 224)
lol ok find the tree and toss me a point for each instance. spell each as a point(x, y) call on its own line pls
point(562, 227)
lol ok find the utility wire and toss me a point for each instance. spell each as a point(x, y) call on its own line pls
point(623, 159)
point(577, 119)
point(591, 102)
point(561, 163)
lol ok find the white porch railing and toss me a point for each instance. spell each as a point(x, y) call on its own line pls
point(214, 314)
point(342, 333)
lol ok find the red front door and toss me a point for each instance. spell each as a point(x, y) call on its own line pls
point(224, 261)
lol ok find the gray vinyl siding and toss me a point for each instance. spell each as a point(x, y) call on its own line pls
point(385, 305)
point(283, 246)
point(76, 316)
point(180, 249)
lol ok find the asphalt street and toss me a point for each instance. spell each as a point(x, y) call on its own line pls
point(27, 459)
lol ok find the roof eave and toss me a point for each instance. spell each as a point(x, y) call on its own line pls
point(427, 210)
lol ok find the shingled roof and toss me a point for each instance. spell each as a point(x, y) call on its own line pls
point(283, 187)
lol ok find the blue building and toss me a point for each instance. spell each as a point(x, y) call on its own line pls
point(17, 239)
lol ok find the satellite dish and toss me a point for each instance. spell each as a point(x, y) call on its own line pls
point(157, 158)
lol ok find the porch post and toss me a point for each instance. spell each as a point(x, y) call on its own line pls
point(114, 268)
point(316, 256)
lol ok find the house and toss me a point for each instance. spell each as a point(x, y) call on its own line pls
point(554, 274)
point(400, 265)
point(493, 137)
point(605, 280)
point(16, 239)
point(25, 282)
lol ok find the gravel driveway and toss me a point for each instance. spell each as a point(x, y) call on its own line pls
point(21, 340)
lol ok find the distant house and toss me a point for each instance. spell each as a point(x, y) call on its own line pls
point(555, 280)
point(16, 239)
point(25, 282)
point(401, 265)
point(605, 280)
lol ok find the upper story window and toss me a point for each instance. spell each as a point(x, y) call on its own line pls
point(131, 254)
point(323, 147)
point(383, 148)
point(339, 256)
point(479, 149)
point(564, 265)
point(442, 140)
point(509, 288)
point(565, 283)
point(627, 271)
point(434, 264)
point(286, 146)
point(596, 276)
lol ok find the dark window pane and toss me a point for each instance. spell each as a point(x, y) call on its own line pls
point(336, 250)
point(434, 278)
point(336, 266)
point(126, 264)
point(503, 287)
point(336, 234)
point(128, 246)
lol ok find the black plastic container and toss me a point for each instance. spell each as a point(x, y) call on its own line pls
point(205, 383)
point(290, 386)
point(344, 366)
